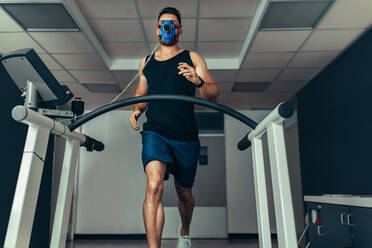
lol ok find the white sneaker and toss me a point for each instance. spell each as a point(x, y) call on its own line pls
point(183, 241)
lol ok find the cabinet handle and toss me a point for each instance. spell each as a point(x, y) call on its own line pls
point(343, 218)
point(320, 231)
point(348, 219)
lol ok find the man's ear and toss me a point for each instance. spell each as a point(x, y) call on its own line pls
point(157, 33)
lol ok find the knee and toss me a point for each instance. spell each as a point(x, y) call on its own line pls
point(154, 187)
point(185, 196)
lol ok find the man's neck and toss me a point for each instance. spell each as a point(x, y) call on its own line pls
point(169, 50)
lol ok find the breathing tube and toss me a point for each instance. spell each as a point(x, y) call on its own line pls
point(168, 35)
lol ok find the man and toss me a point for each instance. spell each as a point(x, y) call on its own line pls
point(170, 135)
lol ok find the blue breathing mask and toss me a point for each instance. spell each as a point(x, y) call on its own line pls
point(168, 31)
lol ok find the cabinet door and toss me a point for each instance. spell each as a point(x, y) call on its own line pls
point(313, 235)
point(332, 230)
point(361, 226)
point(336, 231)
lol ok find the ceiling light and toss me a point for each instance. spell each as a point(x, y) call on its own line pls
point(41, 16)
point(294, 14)
point(250, 86)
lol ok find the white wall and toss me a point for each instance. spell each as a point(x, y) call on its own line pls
point(241, 203)
point(111, 186)
point(241, 206)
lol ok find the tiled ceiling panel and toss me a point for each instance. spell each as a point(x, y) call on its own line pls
point(297, 74)
point(286, 86)
point(223, 8)
point(117, 30)
point(225, 86)
point(329, 40)
point(96, 100)
point(108, 8)
point(259, 97)
point(256, 75)
point(219, 49)
point(7, 24)
point(103, 88)
point(50, 62)
point(124, 76)
point(223, 75)
point(188, 29)
point(14, 41)
point(267, 60)
point(62, 76)
point(126, 50)
point(278, 41)
point(80, 61)
point(223, 29)
point(312, 59)
point(131, 90)
point(63, 42)
point(77, 89)
point(151, 9)
point(348, 14)
point(93, 76)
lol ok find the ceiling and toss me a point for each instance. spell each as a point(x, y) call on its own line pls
point(115, 34)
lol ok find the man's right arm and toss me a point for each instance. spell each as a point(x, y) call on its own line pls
point(141, 90)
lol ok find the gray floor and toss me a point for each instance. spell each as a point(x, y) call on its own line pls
point(169, 243)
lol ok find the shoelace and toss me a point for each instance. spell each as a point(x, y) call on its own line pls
point(186, 241)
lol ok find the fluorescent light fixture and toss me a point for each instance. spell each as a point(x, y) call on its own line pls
point(294, 14)
point(102, 88)
point(41, 16)
point(250, 86)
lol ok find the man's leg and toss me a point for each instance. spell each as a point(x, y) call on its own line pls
point(186, 204)
point(153, 212)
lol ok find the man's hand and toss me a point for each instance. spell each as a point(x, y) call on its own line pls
point(133, 119)
point(189, 72)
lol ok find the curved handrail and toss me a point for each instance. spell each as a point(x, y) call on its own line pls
point(152, 98)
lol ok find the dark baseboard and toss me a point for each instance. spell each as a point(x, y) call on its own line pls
point(110, 236)
point(143, 236)
point(247, 236)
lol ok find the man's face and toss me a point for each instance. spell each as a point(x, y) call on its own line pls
point(174, 20)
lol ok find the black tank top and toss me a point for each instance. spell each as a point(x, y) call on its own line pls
point(172, 119)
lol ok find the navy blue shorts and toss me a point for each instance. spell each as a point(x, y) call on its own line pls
point(181, 157)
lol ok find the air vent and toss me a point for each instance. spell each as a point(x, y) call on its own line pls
point(102, 88)
point(41, 16)
point(250, 86)
point(210, 122)
point(294, 14)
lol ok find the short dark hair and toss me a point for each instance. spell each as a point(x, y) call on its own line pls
point(170, 10)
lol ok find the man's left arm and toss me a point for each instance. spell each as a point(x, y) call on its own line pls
point(209, 89)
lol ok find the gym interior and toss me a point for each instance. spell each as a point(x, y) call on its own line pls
point(285, 156)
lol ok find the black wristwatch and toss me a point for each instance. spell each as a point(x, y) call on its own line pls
point(201, 83)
